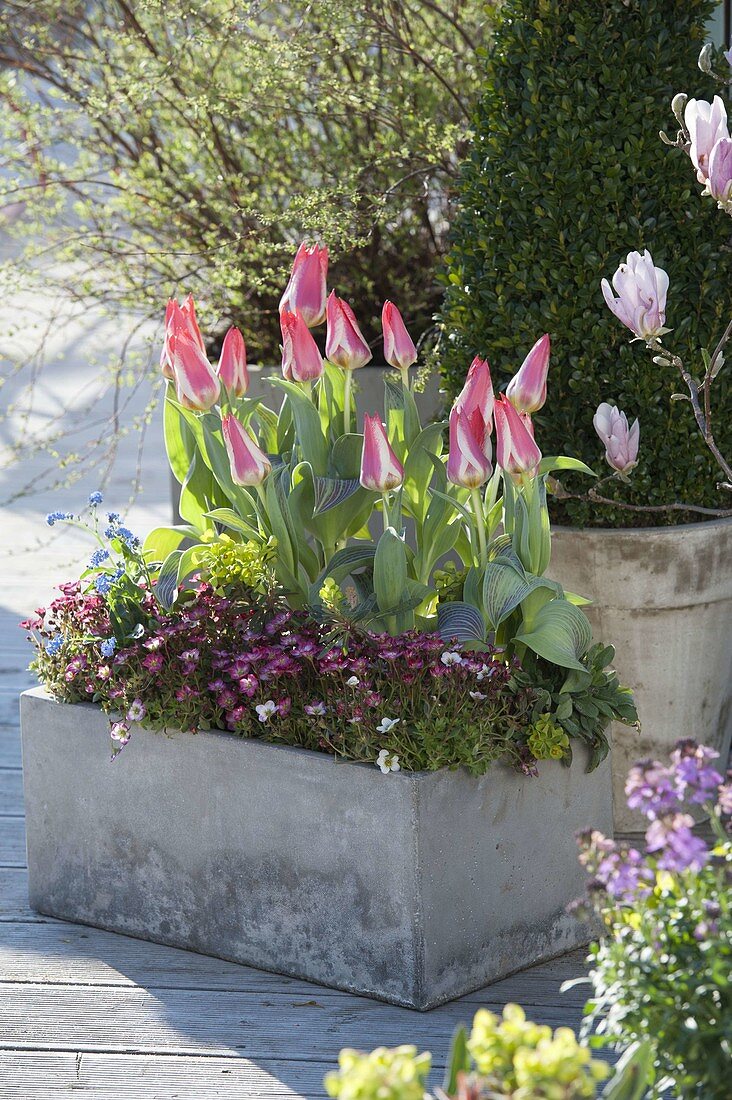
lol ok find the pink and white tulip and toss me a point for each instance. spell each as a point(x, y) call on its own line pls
point(178, 319)
point(306, 290)
point(527, 389)
point(232, 368)
point(381, 470)
point(516, 450)
point(641, 300)
point(197, 384)
point(301, 358)
point(344, 345)
point(719, 181)
point(621, 442)
point(475, 401)
point(399, 349)
point(249, 465)
point(707, 124)
point(469, 457)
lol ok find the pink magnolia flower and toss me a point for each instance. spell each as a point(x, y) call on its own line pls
point(232, 368)
point(516, 451)
point(719, 181)
point(301, 358)
point(621, 442)
point(178, 319)
point(306, 291)
point(468, 462)
point(706, 123)
point(381, 470)
point(197, 384)
point(527, 389)
point(344, 345)
point(641, 301)
point(249, 465)
point(399, 349)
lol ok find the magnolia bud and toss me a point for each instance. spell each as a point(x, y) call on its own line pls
point(705, 58)
point(677, 106)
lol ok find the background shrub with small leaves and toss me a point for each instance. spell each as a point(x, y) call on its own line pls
point(565, 176)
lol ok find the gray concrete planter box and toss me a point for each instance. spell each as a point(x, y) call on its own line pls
point(411, 887)
point(663, 597)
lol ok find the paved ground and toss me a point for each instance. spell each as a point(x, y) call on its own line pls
point(106, 1016)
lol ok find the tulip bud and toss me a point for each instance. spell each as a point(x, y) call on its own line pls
point(249, 465)
point(475, 401)
point(468, 464)
point(621, 442)
point(197, 385)
point(706, 123)
point(516, 451)
point(344, 345)
point(719, 183)
point(301, 358)
point(641, 301)
point(232, 368)
point(178, 319)
point(527, 389)
point(381, 470)
point(399, 349)
point(306, 291)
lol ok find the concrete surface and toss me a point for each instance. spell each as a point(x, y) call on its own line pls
point(412, 887)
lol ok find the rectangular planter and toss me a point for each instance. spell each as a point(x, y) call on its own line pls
point(410, 887)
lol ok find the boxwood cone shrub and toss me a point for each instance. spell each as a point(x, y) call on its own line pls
point(566, 175)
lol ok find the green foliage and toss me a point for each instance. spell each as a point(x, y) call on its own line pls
point(503, 1058)
point(165, 144)
point(398, 1074)
point(663, 971)
point(582, 704)
point(566, 175)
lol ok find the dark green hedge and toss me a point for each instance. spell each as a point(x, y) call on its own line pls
point(566, 175)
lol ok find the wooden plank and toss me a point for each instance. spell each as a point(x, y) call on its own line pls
point(12, 842)
point(255, 1025)
point(9, 746)
point(46, 1076)
point(69, 954)
point(11, 791)
point(14, 897)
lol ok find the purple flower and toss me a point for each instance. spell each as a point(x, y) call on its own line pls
point(120, 731)
point(650, 788)
point(696, 779)
point(625, 875)
point(724, 799)
point(679, 849)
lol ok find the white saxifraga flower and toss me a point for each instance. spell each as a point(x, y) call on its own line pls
point(266, 710)
point(137, 711)
point(450, 657)
point(316, 709)
point(352, 681)
point(387, 761)
point(485, 672)
point(477, 696)
point(387, 724)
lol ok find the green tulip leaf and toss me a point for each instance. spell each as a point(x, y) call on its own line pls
point(460, 621)
point(560, 633)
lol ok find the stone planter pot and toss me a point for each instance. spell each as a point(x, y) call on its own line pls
point(663, 598)
point(410, 887)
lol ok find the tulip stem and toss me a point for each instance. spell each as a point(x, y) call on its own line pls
point(477, 503)
point(405, 378)
point(385, 505)
point(347, 403)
